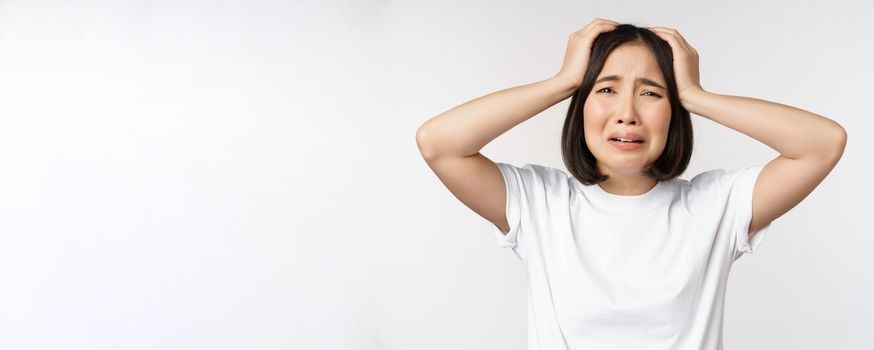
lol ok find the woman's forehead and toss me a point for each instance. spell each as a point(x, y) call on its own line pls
point(633, 60)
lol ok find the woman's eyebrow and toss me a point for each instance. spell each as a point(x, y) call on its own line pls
point(645, 81)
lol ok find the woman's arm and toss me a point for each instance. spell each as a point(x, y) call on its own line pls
point(465, 129)
point(810, 145)
point(793, 132)
point(451, 141)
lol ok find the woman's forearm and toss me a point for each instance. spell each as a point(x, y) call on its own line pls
point(465, 129)
point(793, 132)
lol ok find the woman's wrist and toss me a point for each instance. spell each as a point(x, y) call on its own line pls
point(690, 100)
point(569, 85)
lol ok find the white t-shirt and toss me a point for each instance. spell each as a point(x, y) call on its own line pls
point(627, 272)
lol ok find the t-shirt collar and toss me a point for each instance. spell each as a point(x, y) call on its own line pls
point(629, 205)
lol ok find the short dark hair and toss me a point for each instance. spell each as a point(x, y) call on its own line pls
point(577, 157)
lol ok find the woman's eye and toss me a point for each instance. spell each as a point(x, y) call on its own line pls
point(647, 92)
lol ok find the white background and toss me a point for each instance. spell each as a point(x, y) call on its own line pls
point(244, 174)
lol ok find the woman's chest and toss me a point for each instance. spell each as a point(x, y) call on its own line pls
point(614, 274)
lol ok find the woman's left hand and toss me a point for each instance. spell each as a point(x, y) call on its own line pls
point(685, 61)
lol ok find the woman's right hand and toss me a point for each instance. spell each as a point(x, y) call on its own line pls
point(579, 48)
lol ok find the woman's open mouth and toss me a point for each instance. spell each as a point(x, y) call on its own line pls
point(626, 144)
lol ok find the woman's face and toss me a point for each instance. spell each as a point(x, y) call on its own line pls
point(624, 104)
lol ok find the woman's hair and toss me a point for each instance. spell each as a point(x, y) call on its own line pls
point(577, 157)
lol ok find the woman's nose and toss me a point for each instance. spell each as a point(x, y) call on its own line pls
point(628, 113)
point(629, 117)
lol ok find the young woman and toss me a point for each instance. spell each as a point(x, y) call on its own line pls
point(621, 253)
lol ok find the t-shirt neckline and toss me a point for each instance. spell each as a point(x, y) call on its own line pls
point(629, 205)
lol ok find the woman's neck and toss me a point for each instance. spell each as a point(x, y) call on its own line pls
point(628, 184)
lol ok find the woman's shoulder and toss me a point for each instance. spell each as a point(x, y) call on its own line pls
point(719, 179)
point(706, 178)
point(540, 170)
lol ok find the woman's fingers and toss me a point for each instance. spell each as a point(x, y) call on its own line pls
point(579, 48)
point(673, 37)
point(685, 61)
point(596, 28)
point(597, 23)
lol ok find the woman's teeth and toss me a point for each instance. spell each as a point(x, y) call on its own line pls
point(626, 140)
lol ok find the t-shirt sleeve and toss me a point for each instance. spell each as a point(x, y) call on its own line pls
point(527, 190)
point(739, 185)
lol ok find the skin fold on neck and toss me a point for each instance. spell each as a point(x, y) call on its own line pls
point(627, 184)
